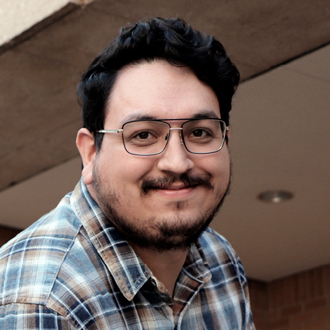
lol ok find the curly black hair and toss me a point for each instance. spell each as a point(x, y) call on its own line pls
point(172, 40)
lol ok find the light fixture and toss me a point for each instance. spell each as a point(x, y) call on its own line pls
point(275, 196)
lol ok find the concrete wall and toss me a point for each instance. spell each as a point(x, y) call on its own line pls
point(16, 16)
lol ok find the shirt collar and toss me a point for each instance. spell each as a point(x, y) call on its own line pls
point(196, 264)
point(127, 269)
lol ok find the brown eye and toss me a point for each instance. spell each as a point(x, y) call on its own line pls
point(199, 133)
point(143, 135)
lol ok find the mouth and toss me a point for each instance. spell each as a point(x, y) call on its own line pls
point(174, 186)
point(175, 191)
point(183, 184)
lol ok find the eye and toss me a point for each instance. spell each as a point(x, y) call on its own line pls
point(143, 138)
point(143, 135)
point(200, 132)
point(199, 135)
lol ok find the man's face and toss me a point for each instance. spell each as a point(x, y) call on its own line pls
point(161, 201)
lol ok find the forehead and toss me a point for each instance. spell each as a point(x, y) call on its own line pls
point(159, 90)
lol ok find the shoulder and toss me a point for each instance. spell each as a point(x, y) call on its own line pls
point(30, 262)
point(214, 243)
point(227, 289)
point(220, 255)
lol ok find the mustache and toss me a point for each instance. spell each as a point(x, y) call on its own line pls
point(187, 180)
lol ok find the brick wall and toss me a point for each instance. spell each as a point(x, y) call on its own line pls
point(297, 302)
point(259, 303)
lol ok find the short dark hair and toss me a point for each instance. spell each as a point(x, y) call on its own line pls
point(172, 40)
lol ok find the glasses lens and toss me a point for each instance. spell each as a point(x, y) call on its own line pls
point(145, 137)
point(204, 135)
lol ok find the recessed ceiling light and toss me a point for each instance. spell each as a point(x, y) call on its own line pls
point(275, 196)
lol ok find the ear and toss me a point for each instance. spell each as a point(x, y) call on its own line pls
point(86, 146)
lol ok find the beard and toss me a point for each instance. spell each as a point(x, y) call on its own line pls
point(158, 233)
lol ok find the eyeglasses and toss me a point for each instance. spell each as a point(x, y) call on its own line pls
point(150, 137)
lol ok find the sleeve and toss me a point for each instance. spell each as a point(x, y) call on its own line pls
point(244, 284)
point(249, 318)
point(221, 255)
point(32, 317)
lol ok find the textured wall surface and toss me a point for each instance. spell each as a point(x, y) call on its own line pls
point(17, 16)
point(297, 302)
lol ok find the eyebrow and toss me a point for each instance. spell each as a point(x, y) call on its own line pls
point(200, 115)
point(136, 116)
point(205, 114)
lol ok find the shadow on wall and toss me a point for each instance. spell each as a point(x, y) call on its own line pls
point(6, 234)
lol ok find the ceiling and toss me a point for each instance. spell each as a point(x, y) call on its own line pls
point(280, 136)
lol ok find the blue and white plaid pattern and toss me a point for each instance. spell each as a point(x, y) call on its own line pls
point(73, 270)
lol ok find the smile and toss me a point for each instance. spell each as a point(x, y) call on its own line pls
point(169, 185)
point(175, 190)
point(174, 186)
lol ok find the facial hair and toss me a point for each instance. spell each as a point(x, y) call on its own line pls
point(158, 234)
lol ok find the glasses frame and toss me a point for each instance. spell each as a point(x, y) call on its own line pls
point(166, 121)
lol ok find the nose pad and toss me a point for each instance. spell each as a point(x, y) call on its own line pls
point(181, 137)
point(175, 158)
point(167, 137)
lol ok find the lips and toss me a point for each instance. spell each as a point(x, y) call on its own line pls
point(176, 192)
point(174, 184)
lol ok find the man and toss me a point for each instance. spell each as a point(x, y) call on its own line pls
point(130, 247)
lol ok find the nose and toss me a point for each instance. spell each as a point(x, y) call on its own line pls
point(175, 158)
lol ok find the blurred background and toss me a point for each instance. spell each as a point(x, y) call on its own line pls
point(280, 137)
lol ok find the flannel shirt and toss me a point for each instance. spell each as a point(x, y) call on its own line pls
point(73, 270)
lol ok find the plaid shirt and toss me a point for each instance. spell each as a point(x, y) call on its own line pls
point(73, 270)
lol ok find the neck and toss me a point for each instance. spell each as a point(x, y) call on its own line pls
point(165, 266)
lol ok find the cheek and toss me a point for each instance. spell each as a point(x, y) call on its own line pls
point(126, 169)
point(219, 168)
point(220, 163)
